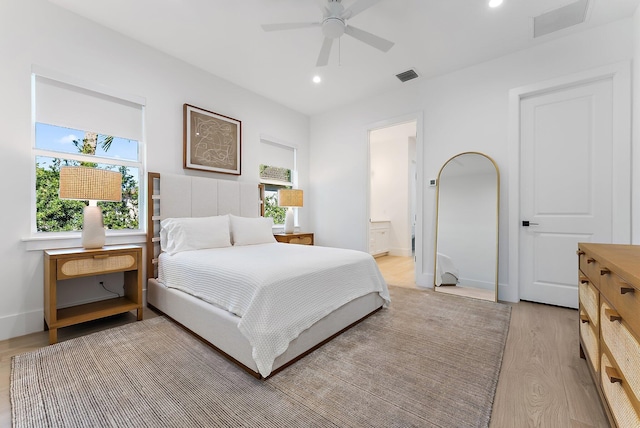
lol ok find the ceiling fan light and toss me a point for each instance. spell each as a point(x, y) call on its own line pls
point(333, 27)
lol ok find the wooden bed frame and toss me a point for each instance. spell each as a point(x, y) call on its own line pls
point(187, 196)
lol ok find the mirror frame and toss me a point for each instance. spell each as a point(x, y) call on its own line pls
point(435, 254)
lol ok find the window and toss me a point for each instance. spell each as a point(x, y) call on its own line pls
point(277, 171)
point(76, 126)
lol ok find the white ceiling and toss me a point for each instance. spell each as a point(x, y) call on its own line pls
point(434, 37)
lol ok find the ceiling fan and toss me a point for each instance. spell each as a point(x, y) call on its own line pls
point(334, 25)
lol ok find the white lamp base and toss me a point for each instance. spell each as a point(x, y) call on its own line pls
point(93, 235)
point(288, 221)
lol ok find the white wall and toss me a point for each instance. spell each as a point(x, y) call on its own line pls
point(466, 110)
point(35, 32)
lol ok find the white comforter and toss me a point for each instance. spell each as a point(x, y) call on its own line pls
point(278, 290)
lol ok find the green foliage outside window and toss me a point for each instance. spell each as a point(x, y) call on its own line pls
point(57, 215)
point(282, 176)
point(271, 208)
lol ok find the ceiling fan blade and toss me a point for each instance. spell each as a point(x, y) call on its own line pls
point(325, 50)
point(371, 39)
point(289, 26)
point(357, 7)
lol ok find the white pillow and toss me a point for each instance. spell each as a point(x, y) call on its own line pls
point(251, 230)
point(186, 234)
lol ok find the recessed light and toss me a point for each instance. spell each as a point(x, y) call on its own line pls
point(317, 79)
point(495, 3)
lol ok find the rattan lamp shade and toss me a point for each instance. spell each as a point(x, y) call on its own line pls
point(290, 197)
point(92, 184)
point(82, 183)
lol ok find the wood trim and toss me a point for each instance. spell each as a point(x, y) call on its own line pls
point(261, 189)
point(150, 229)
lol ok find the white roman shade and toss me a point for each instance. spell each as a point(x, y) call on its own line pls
point(274, 154)
point(76, 107)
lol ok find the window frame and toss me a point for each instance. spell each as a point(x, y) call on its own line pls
point(294, 173)
point(42, 240)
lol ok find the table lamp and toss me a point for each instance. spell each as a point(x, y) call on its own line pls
point(289, 198)
point(92, 184)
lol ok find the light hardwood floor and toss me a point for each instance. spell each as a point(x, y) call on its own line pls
point(397, 270)
point(543, 381)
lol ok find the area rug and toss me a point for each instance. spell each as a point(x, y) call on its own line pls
point(430, 360)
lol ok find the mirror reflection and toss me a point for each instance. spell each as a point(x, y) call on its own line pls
point(466, 261)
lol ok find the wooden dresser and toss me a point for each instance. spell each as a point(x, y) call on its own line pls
point(609, 291)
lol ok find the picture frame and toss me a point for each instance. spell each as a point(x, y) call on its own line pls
point(212, 142)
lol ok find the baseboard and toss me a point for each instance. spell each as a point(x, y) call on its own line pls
point(21, 324)
point(507, 293)
point(424, 280)
point(400, 252)
point(467, 282)
point(31, 322)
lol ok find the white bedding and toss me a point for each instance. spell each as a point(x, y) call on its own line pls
point(278, 290)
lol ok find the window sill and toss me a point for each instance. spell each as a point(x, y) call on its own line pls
point(47, 241)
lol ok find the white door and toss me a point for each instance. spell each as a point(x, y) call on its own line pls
point(566, 186)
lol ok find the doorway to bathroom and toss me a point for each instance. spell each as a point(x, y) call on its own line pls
point(393, 182)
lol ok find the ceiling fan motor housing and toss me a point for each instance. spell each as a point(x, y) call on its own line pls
point(333, 27)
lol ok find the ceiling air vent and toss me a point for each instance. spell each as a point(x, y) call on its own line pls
point(407, 75)
point(561, 18)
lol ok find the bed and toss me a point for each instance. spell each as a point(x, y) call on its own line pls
point(260, 303)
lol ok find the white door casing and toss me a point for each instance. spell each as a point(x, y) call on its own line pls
point(570, 172)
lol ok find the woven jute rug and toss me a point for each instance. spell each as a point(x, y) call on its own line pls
point(430, 360)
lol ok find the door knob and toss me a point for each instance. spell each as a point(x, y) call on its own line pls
point(527, 223)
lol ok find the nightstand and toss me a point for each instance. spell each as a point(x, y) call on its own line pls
point(79, 262)
point(295, 238)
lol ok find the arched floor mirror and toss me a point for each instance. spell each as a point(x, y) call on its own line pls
point(468, 200)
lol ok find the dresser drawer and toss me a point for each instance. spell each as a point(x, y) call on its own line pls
point(622, 406)
point(97, 263)
point(591, 267)
point(589, 298)
point(622, 344)
point(623, 297)
point(295, 238)
point(305, 240)
point(589, 336)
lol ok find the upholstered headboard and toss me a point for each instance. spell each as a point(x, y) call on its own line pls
point(173, 195)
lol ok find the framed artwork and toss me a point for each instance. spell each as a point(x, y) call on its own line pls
point(212, 142)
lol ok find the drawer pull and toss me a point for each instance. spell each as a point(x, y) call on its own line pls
point(580, 253)
point(101, 256)
point(613, 374)
point(612, 315)
point(590, 260)
point(584, 279)
point(584, 319)
point(604, 271)
point(625, 290)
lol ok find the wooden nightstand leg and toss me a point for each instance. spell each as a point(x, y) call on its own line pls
point(139, 314)
point(53, 336)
